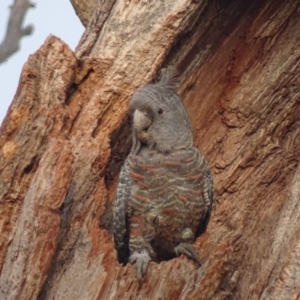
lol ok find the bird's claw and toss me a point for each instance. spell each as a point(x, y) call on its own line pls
point(188, 250)
point(141, 261)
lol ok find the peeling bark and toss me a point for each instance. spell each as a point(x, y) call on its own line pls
point(67, 133)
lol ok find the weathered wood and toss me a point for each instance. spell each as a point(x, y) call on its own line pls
point(85, 9)
point(67, 133)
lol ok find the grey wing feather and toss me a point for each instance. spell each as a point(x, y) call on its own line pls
point(120, 214)
point(209, 184)
point(209, 199)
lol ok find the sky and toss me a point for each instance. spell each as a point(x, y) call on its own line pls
point(48, 17)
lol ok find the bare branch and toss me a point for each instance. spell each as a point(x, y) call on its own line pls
point(14, 31)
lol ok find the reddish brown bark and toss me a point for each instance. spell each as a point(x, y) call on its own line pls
point(67, 133)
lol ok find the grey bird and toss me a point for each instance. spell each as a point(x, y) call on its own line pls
point(165, 191)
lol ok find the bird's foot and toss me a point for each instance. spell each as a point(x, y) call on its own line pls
point(188, 250)
point(141, 261)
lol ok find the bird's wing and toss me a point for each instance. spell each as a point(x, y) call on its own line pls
point(208, 200)
point(120, 214)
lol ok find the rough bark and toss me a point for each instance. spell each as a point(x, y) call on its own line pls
point(85, 9)
point(67, 133)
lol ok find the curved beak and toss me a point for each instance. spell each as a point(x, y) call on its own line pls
point(141, 121)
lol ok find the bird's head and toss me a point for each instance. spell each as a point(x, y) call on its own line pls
point(160, 120)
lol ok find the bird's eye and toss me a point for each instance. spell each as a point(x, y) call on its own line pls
point(160, 111)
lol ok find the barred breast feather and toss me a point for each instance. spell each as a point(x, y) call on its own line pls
point(168, 194)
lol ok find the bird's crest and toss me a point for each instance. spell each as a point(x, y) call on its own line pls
point(170, 78)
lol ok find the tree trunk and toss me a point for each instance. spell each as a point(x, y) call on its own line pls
point(67, 133)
